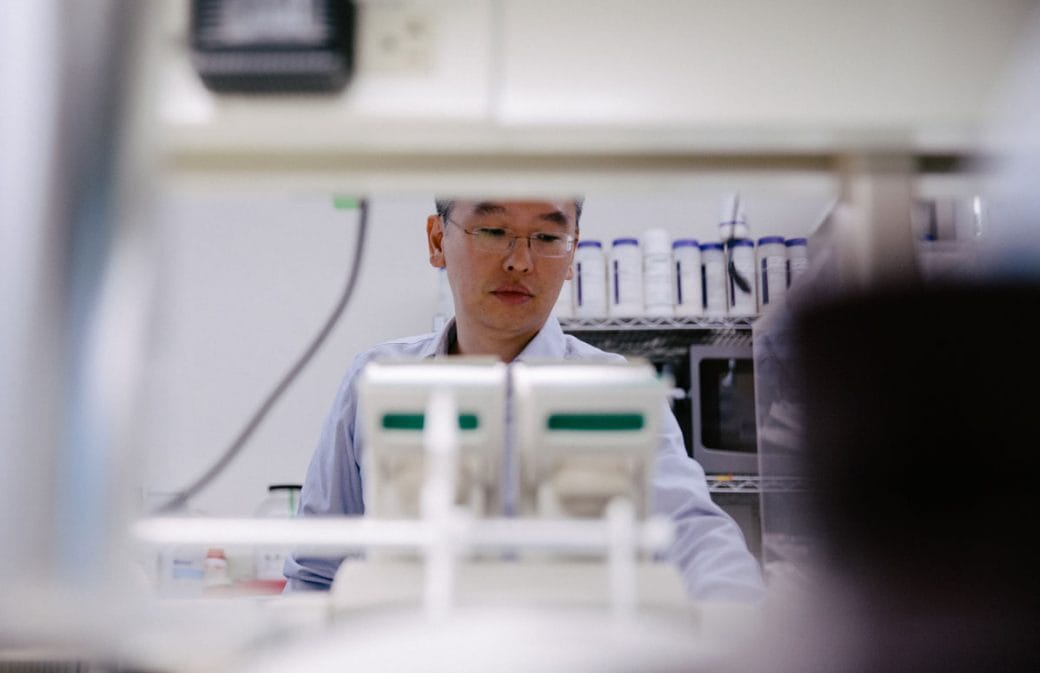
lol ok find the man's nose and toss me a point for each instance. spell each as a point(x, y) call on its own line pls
point(519, 257)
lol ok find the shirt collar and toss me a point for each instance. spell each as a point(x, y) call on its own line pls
point(549, 342)
point(442, 341)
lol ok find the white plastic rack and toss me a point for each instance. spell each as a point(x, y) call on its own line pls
point(659, 338)
point(657, 323)
point(741, 483)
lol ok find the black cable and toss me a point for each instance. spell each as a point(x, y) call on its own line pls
point(258, 416)
point(727, 246)
point(738, 277)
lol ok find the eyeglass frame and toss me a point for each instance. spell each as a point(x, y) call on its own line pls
point(569, 238)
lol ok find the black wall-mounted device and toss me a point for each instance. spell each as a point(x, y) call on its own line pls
point(268, 46)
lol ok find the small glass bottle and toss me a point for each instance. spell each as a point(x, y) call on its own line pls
point(281, 503)
point(180, 569)
point(215, 569)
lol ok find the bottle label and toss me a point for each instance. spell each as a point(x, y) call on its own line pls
point(773, 279)
point(678, 283)
point(627, 284)
point(688, 289)
point(714, 289)
point(590, 288)
point(796, 267)
point(580, 283)
point(657, 282)
point(741, 283)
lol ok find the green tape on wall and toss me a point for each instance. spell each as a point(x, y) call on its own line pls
point(596, 422)
point(344, 202)
point(417, 421)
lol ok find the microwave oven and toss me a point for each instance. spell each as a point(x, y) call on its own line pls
point(723, 435)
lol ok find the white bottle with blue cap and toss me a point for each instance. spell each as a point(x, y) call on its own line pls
point(797, 259)
point(741, 277)
point(772, 270)
point(281, 502)
point(626, 279)
point(657, 273)
point(590, 280)
point(713, 278)
point(686, 255)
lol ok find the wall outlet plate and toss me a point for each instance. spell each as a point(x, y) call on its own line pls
point(396, 38)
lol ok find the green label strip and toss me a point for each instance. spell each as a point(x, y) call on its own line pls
point(417, 421)
point(596, 422)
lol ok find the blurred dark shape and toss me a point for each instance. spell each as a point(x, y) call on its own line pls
point(273, 46)
point(922, 440)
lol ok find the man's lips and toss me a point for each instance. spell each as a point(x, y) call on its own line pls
point(512, 294)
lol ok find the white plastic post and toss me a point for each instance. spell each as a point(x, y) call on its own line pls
point(621, 557)
point(440, 439)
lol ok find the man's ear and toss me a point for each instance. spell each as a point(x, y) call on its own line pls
point(434, 238)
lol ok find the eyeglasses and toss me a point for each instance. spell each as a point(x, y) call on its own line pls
point(499, 240)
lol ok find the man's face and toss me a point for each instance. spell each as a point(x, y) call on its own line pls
point(505, 294)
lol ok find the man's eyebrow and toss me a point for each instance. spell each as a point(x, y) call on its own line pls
point(488, 208)
point(555, 216)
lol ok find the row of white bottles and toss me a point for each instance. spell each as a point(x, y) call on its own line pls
point(780, 263)
point(659, 277)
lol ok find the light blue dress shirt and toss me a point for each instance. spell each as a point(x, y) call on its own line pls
point(709, 548)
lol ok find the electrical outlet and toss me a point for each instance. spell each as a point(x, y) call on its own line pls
point(396, 38)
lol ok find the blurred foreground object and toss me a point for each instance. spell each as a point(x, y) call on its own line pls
point(74, 282)
point(436, 459)
point(1010, 233)
point(921, 444)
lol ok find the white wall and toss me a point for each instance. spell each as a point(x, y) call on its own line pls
point(822, 64)
point(787, 204)
point(246, 279)
point(741, 75)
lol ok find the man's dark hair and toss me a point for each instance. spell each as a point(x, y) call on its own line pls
point(444, 207)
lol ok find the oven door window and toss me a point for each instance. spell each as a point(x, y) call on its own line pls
point(728, 404)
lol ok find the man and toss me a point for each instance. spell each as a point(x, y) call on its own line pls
point(506, 262)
